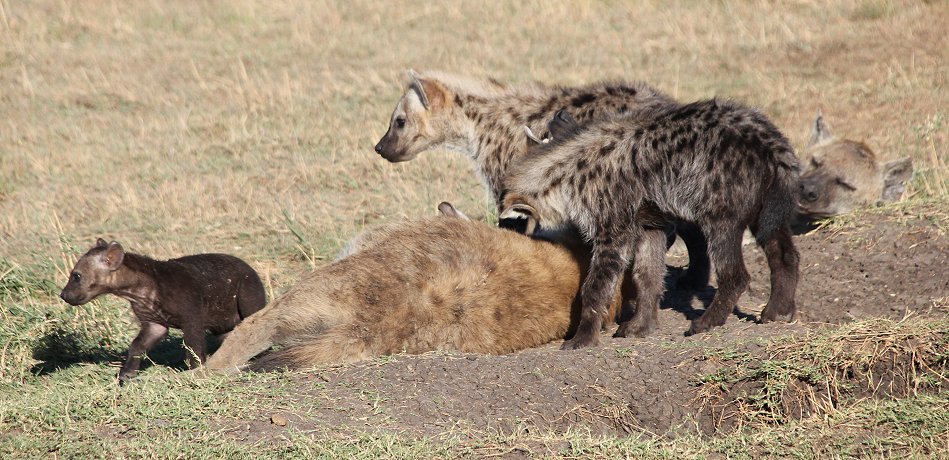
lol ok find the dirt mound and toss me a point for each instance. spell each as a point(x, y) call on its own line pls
point(886, 267)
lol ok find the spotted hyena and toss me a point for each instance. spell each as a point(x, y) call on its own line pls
point(841, 175)
point(485, 120)
point(718, 164)
point(435, 284)
point(197, 293)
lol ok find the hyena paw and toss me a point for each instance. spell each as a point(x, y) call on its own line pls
point(578, 342)
point(631, 329)
point(700, 325)
point(124, 377)
point(770, 313)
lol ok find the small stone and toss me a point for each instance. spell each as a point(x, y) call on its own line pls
point(279, 420)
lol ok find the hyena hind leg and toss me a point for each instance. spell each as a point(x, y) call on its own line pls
point(648, 273)
point(733, 278)
point(338, 345)
point(783, 260)
point(251, 337)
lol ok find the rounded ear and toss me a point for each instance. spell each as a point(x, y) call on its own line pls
point(562, 125)
point(113, 256)
point(447, 209)
point(521, 211)
point(895, 175)
point(432, 94)
point(820, 131)
point(100, 243)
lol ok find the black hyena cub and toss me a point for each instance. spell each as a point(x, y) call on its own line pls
point(198, 293)
point(717, 164)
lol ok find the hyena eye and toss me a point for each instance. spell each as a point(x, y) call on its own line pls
point(75, 277)
point(847, 185)
point(400, 122)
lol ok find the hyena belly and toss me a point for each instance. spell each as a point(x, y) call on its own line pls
point(437, 284)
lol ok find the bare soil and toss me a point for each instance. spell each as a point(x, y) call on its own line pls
point(886, 265)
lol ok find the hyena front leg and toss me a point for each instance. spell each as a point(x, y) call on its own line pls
point(724, 247)
point(649, 268)
point(783, 260)
point(610, 258)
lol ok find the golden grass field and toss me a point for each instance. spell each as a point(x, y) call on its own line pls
point(247, 127)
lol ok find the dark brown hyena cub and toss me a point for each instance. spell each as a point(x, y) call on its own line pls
point(198, 293)
point(717, 164)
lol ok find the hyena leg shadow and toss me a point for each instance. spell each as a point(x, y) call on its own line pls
point(696, 276)
point(783, 260)
point(648, 278)
point(725, 252)
point(610, 259)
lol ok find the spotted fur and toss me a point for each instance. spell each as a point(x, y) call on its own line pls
point(718, 164)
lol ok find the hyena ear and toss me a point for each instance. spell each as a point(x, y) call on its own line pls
point(100, 243)
point(432, 94)
point(113, 256)
point(895, 175)
point(563, 125)
point(820, 131)
point(520, 212)
point(447, 209)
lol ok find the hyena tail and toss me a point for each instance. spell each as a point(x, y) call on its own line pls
point(779, 203)
point(338, 345)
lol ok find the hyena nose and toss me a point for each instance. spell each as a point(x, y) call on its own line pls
point(379, 147)
point(809, 192)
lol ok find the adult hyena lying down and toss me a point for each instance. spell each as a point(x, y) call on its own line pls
point(842, 175)
point(485, 120)
point(718, 164)
point(436, 284)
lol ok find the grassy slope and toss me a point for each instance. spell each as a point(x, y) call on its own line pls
point(247, 128)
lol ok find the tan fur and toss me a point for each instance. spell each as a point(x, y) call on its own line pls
point(436, 284)
point(842, 175)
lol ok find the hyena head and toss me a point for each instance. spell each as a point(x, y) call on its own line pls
point(421, 120)
point(842, 175)
point(94, 273)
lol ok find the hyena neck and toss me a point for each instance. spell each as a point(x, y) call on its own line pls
point(136, 281)
point(495, 133)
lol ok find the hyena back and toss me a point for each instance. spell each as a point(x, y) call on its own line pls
point(436, 284)
point(485, 121)
point(717, 164)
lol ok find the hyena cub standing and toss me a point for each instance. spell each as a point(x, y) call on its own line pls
point(198, 293)
point(720, 165)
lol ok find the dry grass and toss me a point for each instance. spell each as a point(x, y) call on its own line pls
point(823, 372)
point(247, 127)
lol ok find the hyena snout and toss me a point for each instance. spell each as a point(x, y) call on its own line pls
point(809, 191)
point(72, 296)
point(388, 147)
